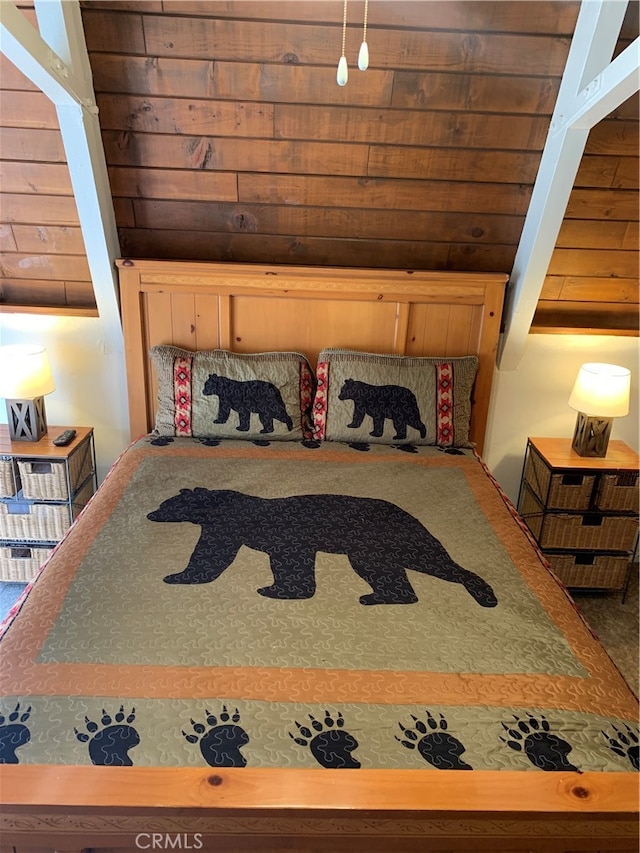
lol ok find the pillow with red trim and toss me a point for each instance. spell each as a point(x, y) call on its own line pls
point(392, 399)
point(221, 394)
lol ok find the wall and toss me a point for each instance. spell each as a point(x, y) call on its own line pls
point(531, 400)
point(88, 371)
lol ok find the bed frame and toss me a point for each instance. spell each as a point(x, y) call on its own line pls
point(256, 308)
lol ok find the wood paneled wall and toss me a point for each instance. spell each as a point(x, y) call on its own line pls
point(227, 138)
point(43, 261)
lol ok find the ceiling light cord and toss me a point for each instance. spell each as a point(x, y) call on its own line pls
point(363, 56)
point(343, 70)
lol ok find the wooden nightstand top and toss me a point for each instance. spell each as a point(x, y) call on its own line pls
point(559, 454)
point(44, 447)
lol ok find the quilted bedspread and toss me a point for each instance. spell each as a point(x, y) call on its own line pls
point(291, 604)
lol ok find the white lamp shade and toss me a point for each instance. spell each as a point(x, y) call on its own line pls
point(602, 390)
point(25, 372)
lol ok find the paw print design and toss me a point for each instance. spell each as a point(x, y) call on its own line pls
point(434, 743)
point(406, 448)
point(362, 446)
point(209, 442)
point(310, 443)
point(13, 734)
point(452, 451)
point(161, 440)
point(220, 740)
point(625, 744)
point(534, 737)
point(260, 442)
point(330, 744)
point(111, 739)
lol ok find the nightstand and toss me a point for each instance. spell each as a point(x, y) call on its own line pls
point(42, 490)
point(582, 512)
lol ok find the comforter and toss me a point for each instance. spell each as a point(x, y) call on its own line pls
point(296, 604)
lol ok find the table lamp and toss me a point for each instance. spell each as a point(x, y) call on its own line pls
point(600, 394)
point(25, 377)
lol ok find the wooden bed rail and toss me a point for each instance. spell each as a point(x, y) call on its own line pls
point(244, 809)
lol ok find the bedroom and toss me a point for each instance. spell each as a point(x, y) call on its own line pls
point(530, 397)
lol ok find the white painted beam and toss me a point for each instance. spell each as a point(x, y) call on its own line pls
point(29, 52)
point(87, 168)
point(554, 183)
point(589, 85)
point(62, 29)
point(612, 87)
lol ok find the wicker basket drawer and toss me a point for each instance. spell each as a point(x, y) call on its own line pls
point(593, 571)
point(598, 533)
point(9, 477)
point(47, 479)
point(618, 492)
point(20, 563)
point(559, 490)
point(34, 522)
point(577, 530)
point(40, 522)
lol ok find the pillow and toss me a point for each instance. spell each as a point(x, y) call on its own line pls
point(221, 394)
point(392, 399)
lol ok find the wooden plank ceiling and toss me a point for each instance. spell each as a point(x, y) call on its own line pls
point(227, 138)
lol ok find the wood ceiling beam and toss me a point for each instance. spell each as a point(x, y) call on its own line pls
point(56, 60)
point(591, 87)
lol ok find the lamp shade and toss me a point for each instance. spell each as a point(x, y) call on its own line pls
point(25, 372)
point(602, 390)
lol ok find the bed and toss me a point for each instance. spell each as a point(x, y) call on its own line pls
point(227, 651)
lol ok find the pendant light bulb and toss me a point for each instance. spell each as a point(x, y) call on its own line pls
point(343, 72)
point(363, 57)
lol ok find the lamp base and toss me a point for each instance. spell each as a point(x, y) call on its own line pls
point(27, 419)
point(591, 436)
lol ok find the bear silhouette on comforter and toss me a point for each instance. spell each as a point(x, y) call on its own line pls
point(380, 539)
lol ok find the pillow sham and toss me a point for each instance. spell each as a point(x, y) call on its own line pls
point(221, 394)
point(391, 399)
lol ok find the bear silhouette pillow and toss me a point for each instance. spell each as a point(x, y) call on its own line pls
point(220, 394)
point(391, 399)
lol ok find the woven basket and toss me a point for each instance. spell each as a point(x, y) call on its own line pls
point(47, 480)
point(605, 571)
point(9, 478)
point(41, 522)
point(565, 491)
point(575, 530)
point(20, 563)
point(612, 533)
point(618, 492)
point(35, 522)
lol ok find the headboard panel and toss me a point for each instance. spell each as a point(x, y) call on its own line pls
point(257, 308)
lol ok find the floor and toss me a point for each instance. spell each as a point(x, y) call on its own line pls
point(616, 624)
point(9, 593)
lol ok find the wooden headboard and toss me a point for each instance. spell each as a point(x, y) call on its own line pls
point(257, 308)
